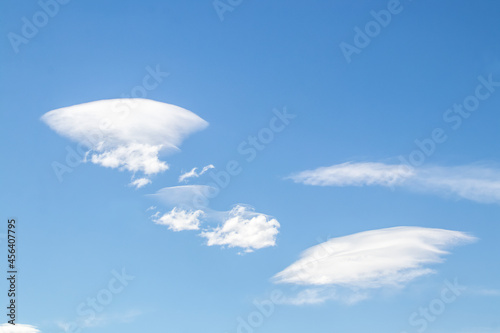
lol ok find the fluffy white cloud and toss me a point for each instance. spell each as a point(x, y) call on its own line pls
point(179, 220)
point(193, 173)
point(18, 328)
point(476, 183)
point(240, 227)
point(133, 157)
point(354, 174)
point(128, 134)
point(368, 260)
point(244, 228)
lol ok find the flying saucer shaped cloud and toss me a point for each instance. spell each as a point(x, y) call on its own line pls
point(128, 134)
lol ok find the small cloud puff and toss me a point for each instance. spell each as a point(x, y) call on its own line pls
point(193, 173)
point(140, 182)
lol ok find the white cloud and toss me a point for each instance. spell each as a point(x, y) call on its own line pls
point(240, 227)
point(133, 157)
point(179, 220)
point(244, 228)
point(140, 182)
point(18, 328)
point(128, 134)
point(368, 260)
point(476, 183)
point(193, 173)
point(354, 174)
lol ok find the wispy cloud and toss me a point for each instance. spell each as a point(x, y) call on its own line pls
point(319, 295)
point(240, 227)
point(18, 328)
point(348, 267)
point(100, 320)
point(188, 197)
point(128, 134)
point(354, 174)
point(480, 330)
point(474, 182)
point(194, 174)
point(484, 292)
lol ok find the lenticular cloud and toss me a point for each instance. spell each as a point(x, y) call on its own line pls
point(374, 258)
point(128, 134)
point(368, 260)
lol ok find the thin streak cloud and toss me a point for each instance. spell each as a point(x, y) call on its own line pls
point(472, 182)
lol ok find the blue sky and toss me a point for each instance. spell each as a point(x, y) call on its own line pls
point(76, 235)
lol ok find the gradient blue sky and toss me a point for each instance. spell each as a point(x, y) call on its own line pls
point(233, 73)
